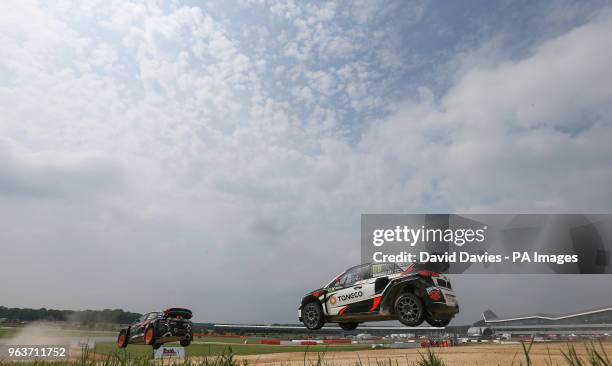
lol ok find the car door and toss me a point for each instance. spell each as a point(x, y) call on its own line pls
point(367, 290)
point(137, 329)
point(381, 273)
point(348, 291)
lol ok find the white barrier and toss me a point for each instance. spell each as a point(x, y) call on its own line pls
point(169, 352)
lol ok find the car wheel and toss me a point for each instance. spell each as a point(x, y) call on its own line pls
point(185, 342)
point(348, 326)
point(122, 339)
point(149, 336)
point(437, 322)
point(312, 316)
point(409, 309)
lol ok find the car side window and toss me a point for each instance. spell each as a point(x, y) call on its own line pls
point(142, 318)
point(354, 275)
point(152, 316)
point(384, 269)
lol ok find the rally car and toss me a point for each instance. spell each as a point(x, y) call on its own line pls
point(159, 327)
point(381, 291)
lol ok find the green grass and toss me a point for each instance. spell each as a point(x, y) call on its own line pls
point(7, 332)
point(430, 358)
point(196, 350)
point(227, 339)
point(596, 356)
point(123, 359)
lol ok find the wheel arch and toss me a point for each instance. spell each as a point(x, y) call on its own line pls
point(390, 294)
point(126, 338)
point(309, 299)
point(153, 327)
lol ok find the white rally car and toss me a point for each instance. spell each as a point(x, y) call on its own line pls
point(381, 291)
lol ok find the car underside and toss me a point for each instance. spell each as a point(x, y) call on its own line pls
point(157, 328)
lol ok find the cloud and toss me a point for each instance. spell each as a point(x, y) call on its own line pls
point(146, 136)
point(485, 142)
point(50, 175)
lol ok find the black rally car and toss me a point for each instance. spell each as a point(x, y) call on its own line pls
point(159, 327)
point(382, 291)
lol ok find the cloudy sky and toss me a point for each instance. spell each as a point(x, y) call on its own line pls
point(222, 152)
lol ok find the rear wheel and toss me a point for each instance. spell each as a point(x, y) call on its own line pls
point(409, 309)
point(312, 316)
point(149, 336)
point(185, 342)
point(348, 326)
point(437, 322)
point(122, 339)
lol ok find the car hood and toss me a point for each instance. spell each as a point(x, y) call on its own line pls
point(320, 291)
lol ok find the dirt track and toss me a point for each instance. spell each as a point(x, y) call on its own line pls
point(463, 355)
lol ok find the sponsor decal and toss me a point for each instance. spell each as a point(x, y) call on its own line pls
point(352, 295)
point(169, 352)
point(332, 300)
point(375, 303)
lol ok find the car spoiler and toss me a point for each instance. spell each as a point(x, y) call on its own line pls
point(178, 313)
point(438, 267)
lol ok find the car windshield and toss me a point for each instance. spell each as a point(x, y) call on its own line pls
point(335, 280)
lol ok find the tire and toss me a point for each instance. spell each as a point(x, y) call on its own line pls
point(122, 339)
point(440, 323)
point(185, 342)
point(149, 336)
point(348, 326)
point(312, 316)
point(409, 309)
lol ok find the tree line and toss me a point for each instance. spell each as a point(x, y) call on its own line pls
point(118, 316)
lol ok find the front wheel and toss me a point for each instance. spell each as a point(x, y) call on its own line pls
point(409, 309)
point(348, 326)
point(122, 339)
point(312, 316)
point(437, 322)
point(185, 342)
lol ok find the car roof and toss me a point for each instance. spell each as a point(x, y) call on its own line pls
point(370, 263)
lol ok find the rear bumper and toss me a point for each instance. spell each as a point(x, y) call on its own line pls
point(172, 330)
point(175, 337)
point(445, 308)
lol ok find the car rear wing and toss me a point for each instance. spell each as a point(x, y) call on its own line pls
point(180, 313)
point(437, 267)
